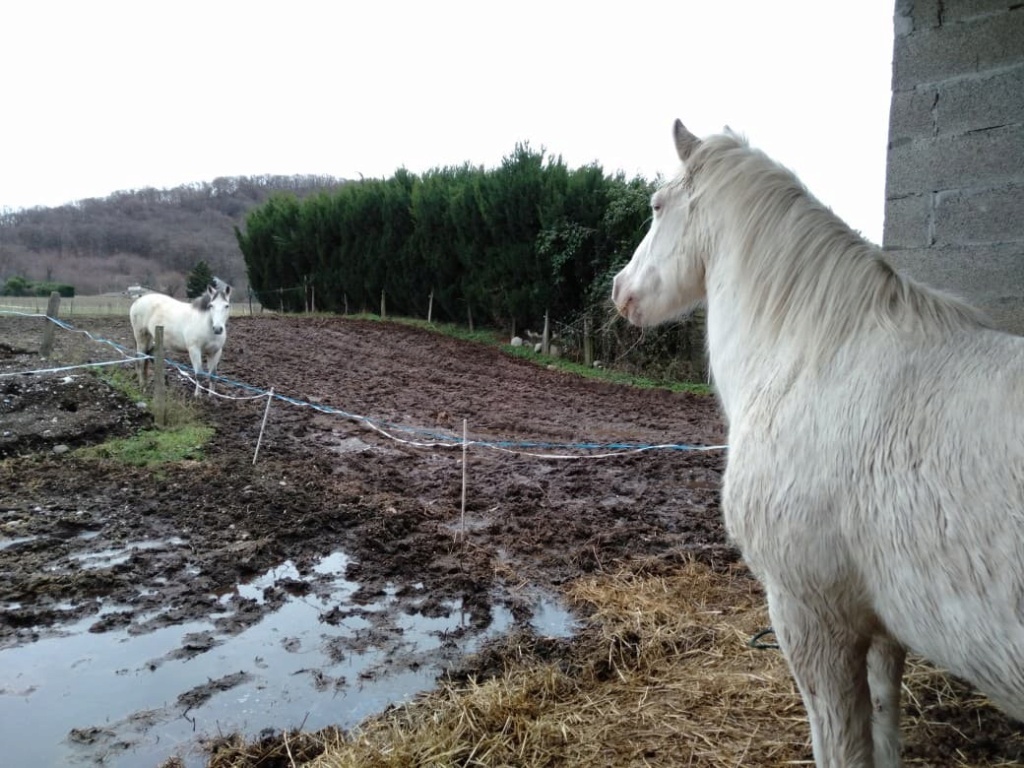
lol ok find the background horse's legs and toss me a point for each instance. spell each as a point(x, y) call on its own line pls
point(142, 366)
point(885, 673)
point(828, 660)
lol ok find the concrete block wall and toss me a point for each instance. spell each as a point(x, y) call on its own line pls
point(954, 211)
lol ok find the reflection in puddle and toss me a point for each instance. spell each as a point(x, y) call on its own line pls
point(332, 564)
point(292, 669)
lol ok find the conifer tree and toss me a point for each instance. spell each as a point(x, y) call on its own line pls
point(199, 279)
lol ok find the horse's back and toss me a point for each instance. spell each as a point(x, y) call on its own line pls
point(148, 305)
point(140, 312)
point(157, 309)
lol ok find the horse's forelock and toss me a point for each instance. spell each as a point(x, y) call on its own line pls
point(205, 299)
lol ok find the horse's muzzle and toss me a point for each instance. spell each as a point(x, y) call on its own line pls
point(617, 295)
point(621, 298)
point(218, 331)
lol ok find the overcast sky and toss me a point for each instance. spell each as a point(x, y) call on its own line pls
point(102, 96)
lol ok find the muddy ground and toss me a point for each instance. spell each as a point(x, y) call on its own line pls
point(345, 474)
point(358, 459)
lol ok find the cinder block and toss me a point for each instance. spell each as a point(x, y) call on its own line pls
point(971, 10)
point(979, 217)
point(971, 160)
point(913, 15)
point(910, 114)
point(907, 222)
point(990, 277)
point(938, 53)
point(984, 102)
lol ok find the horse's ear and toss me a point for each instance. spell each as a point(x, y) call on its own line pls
point(686, 142)
point(227, 291)
point(211, 289)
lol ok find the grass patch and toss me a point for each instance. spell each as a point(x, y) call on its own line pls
point(123, 380)
point(615, 377)
point(491, 338)
point(182, 438)
point(153, 447)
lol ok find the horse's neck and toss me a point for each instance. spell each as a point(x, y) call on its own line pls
point(724, 357)
point(732, 362)
point(194, 321)
point(746, 361)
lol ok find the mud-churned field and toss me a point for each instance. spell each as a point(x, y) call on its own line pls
point(144, 613)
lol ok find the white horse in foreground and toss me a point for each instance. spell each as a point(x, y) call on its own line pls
point(875, 477)
point(199, 328)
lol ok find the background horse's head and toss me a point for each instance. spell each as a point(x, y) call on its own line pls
point(665, 277)
point(216, 302)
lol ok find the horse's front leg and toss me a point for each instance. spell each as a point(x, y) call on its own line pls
point(195, 354)
point(885, 673)
point(828, 660)
point(211, 364)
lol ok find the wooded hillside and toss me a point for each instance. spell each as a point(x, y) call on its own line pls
point(150, 237)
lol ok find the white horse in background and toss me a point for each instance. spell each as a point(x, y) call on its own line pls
point(199, 328)
point(875, 476)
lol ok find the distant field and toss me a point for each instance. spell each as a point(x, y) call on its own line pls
point(90, 306)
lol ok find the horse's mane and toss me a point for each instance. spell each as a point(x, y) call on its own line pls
point(806, 272)
point(202, 301)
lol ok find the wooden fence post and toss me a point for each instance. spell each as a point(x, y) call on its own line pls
point(545, 341)
point(430, 306)
point(159, 388)
point(52, 312)
point(383, 309)
point(588, 344)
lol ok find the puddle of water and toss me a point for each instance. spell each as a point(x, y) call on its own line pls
point(294, 675)
point(351, 445)
point(253, 590)
point(551, 619)
point(332, 564)
point(7, 543)
point(107, 558)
